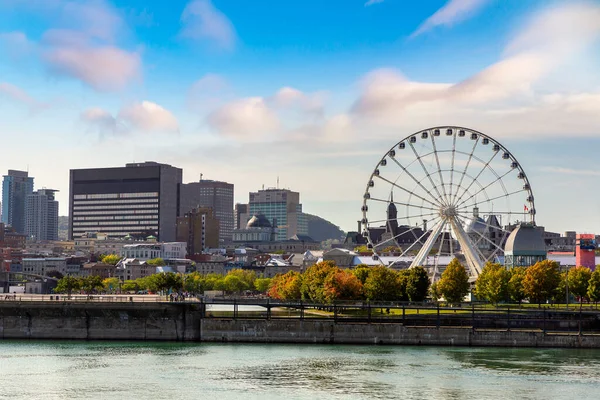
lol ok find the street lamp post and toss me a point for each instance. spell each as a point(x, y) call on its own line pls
point(567, 285)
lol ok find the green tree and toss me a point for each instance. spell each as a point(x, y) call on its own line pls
point(454, 282)
point(384, 284)
point(111, 259)
point(417, 284)
point(313, 280)
point(233, 283)
point(194, 283)
point(515, 284)
point(363, 249)
point(361, 271)
point(560, 293)
point(157, 262)
point(434, 292)
point(130, 286)
point(492, 283)
point(162, 282)
point(579, 279)
point(55, 274)
point(213, 281)
point(67, 285)
point(593, 292)
point(91, 284)
point(111, 284)
point(541, 281)
point(246, 276)
point(262, 284)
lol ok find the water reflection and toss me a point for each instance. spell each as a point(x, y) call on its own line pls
point(83, 370)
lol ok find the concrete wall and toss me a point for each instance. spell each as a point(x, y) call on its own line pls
point(311, 331)
point(134, 321)
point(183, 322)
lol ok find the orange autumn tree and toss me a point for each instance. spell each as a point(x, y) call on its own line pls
point(286, 287)
point(342, 285)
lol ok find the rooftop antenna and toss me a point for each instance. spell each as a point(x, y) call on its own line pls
point(263, 186)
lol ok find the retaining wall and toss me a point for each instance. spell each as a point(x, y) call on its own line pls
point(184, 322)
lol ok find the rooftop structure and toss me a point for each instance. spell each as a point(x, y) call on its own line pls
point(525, 246)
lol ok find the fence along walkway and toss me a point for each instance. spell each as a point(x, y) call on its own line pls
point(468, 315)
point(477, 316)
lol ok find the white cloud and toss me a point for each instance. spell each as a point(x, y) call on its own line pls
point(247, 119)
point(19, 95)
point(311, 103)
point(452, 12)
point(105, 68)
point(511, 93)
point(82, 43)
point(96, 18)
point(371, 2)
point(570, 171)
point(101, 119)
point(16, 44)
point(281, 116)
point(201, 20)
point(208, 91)
point(148, 116)
point(144, 116)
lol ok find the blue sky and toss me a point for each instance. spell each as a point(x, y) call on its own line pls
point(311, 91)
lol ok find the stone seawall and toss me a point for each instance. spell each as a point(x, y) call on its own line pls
point(114, 321)
point(314, 331)
point(184, 322)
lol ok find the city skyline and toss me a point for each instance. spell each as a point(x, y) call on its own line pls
point(312, 95)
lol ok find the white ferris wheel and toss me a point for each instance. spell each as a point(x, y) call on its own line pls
point(445, 192)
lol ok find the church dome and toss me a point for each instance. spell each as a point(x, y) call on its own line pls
point(258, 221)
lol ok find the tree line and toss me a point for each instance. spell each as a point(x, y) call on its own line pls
point(326, 283)
point(539, 283)
point(235, 281)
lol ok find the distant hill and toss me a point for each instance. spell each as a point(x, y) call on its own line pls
point(320, 229)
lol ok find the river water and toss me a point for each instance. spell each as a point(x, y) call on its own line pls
point(114, 370)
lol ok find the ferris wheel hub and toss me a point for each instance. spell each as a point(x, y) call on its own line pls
point(448, 212)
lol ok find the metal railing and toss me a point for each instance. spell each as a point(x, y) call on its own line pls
point(482, 316)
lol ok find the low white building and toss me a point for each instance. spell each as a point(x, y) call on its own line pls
point(148, 251)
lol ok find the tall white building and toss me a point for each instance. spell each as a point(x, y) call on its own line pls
point(282, 209)
point(41, 215)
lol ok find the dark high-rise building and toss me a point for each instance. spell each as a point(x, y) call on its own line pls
point(140, 199)
point(16, 186)
point(41, 215)
point(199, 229)
point(241, 216)
point(216, 195)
